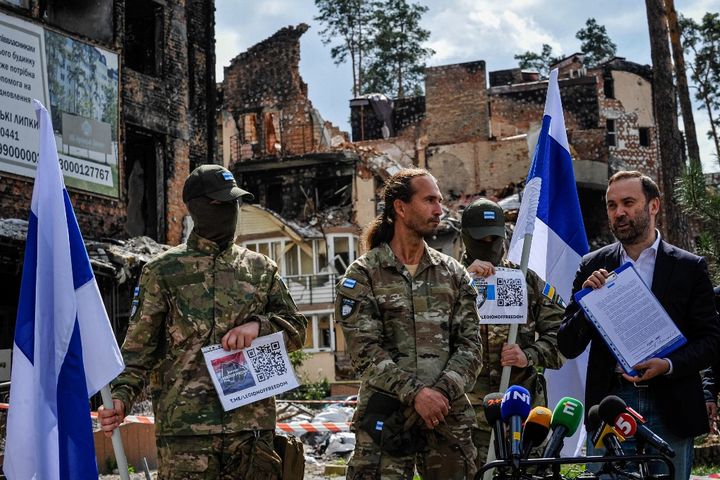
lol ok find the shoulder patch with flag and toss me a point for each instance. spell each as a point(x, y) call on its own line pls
point(550, 292)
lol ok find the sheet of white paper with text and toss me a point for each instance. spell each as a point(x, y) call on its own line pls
point(244, 376)
point(502, 298)
point(630, 319)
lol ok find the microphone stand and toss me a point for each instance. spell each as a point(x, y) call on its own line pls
point(643, 467)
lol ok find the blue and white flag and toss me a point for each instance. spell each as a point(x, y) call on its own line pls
point(65, 350)
point(550, 211)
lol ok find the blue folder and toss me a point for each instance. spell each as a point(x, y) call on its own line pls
point(662, 351)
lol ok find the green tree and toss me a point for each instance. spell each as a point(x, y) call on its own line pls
point(703, 203)
point(398, 58)
point(537, 61)
point(348, 27)
point(702, 44)
point(382, 40)
point(595, 43)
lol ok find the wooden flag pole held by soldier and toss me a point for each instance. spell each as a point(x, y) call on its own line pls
point(528, 211)
point(116, 439)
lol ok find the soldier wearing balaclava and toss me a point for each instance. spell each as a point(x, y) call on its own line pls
point(190, 298)
point(483, 234)
point(211, 196)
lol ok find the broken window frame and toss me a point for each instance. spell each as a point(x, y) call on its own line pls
point(609, 87)
point(153, 65)
point(611, 132)
point(336, 256)
point(312, 339)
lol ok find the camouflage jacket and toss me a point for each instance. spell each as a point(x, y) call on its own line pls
point(537, 338)
point(188, 298)
point(404, 333)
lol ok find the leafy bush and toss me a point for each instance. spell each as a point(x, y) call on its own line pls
point(309, 391)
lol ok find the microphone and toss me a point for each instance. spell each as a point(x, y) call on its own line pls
point(611, 410)
point(604, 435)
point(537, 427)
point(565, 421)
point(515, 408)
point(491, 407)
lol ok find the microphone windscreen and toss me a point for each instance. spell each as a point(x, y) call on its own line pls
point(491, 407)
point(536, 428)
point(569, 413)
point(610, 407)
point(593, 421)
point(540, 415)
point(516, 401)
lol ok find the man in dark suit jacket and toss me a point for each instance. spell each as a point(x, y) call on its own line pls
point(667, 391)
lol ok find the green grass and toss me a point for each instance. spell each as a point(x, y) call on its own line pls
point(705, 470)
point(572, 470)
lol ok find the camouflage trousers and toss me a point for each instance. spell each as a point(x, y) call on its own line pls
point(442, 459)
point(243, 456)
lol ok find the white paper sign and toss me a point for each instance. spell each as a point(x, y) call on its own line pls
point(251, 374)
point(502, 298)
point(630, 319)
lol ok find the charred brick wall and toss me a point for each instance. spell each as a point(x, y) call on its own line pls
point(456, 103)
point(626, 106)
point(263, 90)
point(301, 186)
point(171, 106)
point(519, 106)
point(407, 112)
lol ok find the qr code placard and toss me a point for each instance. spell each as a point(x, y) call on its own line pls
point(509, 292)
point(267, 360)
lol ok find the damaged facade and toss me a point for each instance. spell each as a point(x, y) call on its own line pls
point(163, 126)
point(478, 140)
point(308, 182)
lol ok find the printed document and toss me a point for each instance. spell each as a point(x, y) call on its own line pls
point(630, 319)
point(502, 298)
point(244, 376)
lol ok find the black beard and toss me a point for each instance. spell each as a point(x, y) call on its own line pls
point(636, 231)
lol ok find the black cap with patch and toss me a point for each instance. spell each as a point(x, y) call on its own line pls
point(483, 218)
point(215, 182)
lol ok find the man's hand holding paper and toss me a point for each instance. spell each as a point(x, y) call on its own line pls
point(648, 369)
point(632, 322)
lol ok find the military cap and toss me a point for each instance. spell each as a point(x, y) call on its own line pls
point(215, 182)
point(483, 218)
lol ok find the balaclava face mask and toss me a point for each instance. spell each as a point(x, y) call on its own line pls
point(214, 222)
point(488, 251)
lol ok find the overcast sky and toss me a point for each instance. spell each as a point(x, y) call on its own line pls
point(461, 31)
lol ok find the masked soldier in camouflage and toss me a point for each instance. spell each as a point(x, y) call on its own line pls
point(408, 314)
point(204, 292)
point(483, 234)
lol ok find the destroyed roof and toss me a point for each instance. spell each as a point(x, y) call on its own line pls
point(329, 217)
point(377, 162)
point(118, 258)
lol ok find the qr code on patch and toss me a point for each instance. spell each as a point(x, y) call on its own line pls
point(267, 360)
point(509, 292)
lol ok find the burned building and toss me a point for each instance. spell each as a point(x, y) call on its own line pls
point(130, 85)
point(478, 139)
point(305, 181)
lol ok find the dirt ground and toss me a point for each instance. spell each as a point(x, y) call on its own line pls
point(312, 472)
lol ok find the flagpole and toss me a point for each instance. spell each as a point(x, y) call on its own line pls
point(117, 444)
point(512, 334)
point(512, 338)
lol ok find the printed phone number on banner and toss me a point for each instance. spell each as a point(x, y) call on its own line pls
point(74, 168)
point(85, 171)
